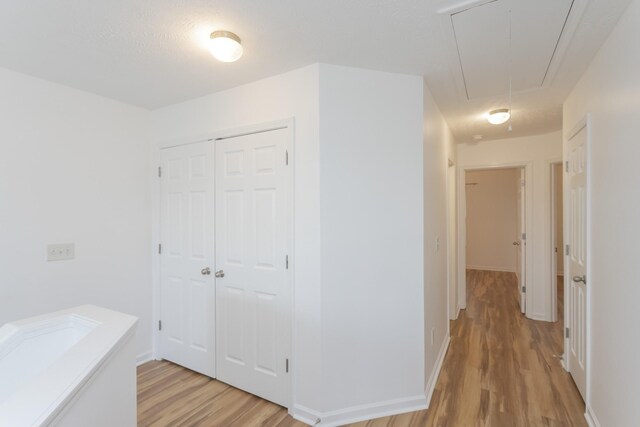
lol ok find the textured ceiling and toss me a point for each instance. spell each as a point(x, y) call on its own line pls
point(152, 53)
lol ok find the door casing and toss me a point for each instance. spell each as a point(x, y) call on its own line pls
point(553, 280)
point(462, 227)
point(289, 124)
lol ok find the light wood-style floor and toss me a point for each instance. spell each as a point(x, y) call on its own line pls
point(500, 370)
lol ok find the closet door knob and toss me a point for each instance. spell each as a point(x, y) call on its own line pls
point(580, 279)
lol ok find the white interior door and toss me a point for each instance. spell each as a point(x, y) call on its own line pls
point(186, 256)
point(577, 236)
point(521, 241)
point(253, 295)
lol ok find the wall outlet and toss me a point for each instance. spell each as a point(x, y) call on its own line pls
point(438, 244)
point(61, 251)
point(433, 335)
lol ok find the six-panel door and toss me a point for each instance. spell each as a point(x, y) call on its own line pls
point(253, 298)
point(577, 211)
point(186, 236)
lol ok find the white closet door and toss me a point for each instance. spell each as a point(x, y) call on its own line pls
point(253, 298)
point(577, 234)
point(186, 236)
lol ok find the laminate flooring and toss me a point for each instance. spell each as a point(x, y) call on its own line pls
point(501, 369)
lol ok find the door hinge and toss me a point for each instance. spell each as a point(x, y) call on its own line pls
point(159, 325)
point(566, 332)
point(159, 172)
point(286, 157)
point(159, 248)
point(287, 262)
point(286, 365)
point(524, 236)
point(524, 289)
point(566, 166)
point(566, 249)
point(523, 183)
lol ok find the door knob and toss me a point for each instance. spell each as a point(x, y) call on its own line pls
point(516, 243)
point(205, 271)
point(580, 279)
point(220, 273)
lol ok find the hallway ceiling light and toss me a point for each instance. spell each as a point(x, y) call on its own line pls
point(225, 46)
point(499, 116)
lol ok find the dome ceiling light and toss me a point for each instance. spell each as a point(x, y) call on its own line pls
point(225, 46)
point(499, 116)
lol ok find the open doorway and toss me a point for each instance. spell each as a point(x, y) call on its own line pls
point(557, 243)
point(496, 225)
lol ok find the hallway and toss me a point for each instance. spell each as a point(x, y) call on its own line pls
point(511, 377)
point(500, 371)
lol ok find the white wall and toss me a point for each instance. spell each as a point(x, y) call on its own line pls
point(358, 228)
point(439, 147)
point(293, 94)
point(492, 219)
point(372, 247)
point(541, 151)
point(74, 168)
point(610, 92)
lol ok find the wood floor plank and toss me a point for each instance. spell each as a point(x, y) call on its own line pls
point(501, 369)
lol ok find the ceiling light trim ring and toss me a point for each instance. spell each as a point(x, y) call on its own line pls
point(225, 34)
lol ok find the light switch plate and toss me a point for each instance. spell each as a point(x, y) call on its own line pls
point(61, 251)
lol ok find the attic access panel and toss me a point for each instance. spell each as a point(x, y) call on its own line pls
point(482, 38)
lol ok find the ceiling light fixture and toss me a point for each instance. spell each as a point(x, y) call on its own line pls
point(499, 116)
point(225, 46)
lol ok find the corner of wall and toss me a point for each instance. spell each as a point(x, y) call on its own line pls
point(438, 147)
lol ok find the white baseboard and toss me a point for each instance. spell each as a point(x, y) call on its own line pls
point(359, 413)
point(591, 418)
point(305, 415)
point(539, 317)
point(144, 357)
point(563, 363)
point(485, 268)
point(435, 373)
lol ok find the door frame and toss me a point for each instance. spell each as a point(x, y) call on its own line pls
point(584, 123)
point(453, 308)
point(462, 226)
point(553, 257)
point(289, 124)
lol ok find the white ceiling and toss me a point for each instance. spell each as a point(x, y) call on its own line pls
point(152, 53)
point(488, 57)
